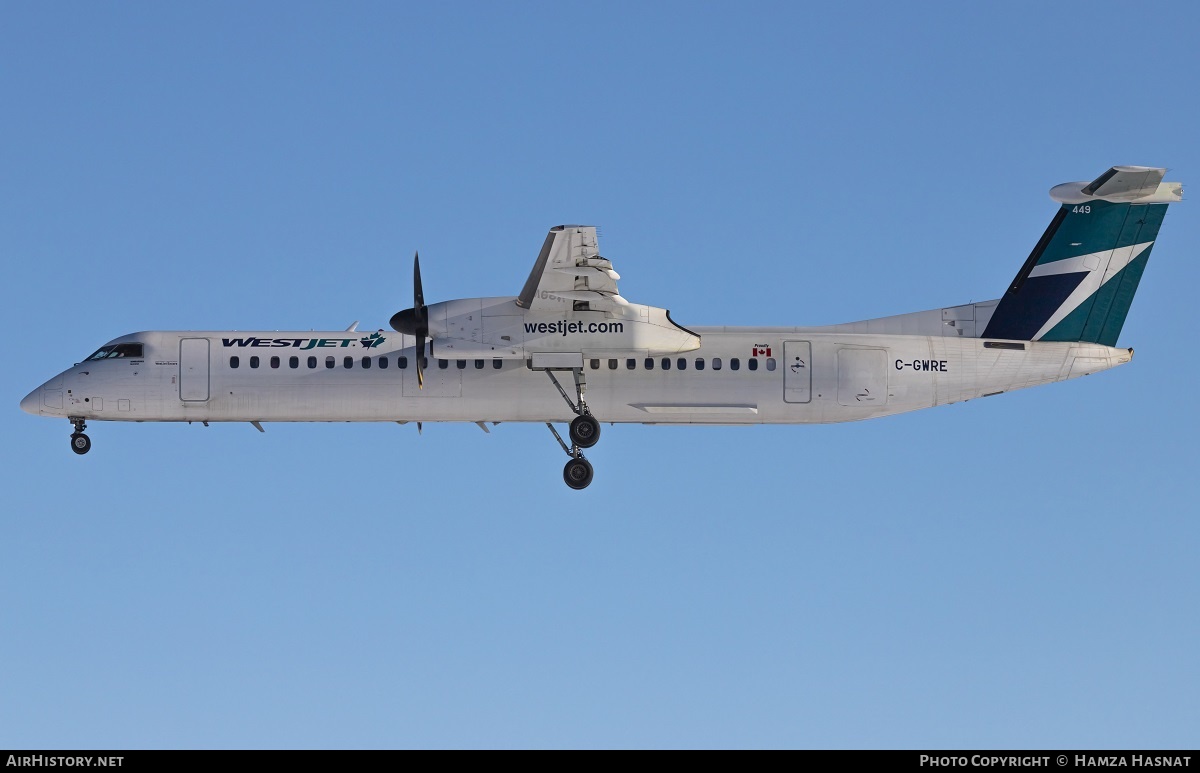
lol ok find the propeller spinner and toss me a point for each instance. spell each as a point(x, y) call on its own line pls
point(415, 321)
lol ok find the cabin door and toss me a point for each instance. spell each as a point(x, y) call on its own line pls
point(797, 371)
point(193, 369)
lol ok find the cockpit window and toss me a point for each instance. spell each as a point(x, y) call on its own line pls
point(117, 351)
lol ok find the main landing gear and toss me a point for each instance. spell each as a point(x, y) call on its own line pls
point(80, 443)
point(584, 433)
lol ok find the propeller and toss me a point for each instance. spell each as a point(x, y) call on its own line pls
point(415, 321)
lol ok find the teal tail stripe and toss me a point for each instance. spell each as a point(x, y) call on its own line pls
point(1100, 317)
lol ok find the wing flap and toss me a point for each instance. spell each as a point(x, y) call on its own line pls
point(568, 271)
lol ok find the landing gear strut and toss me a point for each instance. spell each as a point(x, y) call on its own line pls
point(584, 433)
point(80, 443)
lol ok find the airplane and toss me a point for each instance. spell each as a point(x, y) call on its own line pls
point(506, 359)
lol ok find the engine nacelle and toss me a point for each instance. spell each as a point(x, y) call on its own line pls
point(497, 327)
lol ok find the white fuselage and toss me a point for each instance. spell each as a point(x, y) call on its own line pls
point(783, 376)
point(506, 358)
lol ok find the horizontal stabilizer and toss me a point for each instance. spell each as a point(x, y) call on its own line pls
point(1127, 184)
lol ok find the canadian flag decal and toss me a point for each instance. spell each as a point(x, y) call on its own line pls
point(761, 350)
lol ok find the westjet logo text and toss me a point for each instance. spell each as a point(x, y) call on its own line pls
point(563, 326)
point(369, 342)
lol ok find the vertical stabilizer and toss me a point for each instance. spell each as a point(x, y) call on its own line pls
point(1079, 281)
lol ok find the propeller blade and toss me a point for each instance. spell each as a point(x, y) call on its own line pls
point(422, 319)
point(420, 352)
point(415, 321)
point(418, 293)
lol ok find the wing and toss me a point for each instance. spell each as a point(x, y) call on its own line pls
point(570, 273)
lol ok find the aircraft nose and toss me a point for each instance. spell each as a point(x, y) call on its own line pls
point(33, 402)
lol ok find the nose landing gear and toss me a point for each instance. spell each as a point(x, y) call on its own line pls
point(80, 443)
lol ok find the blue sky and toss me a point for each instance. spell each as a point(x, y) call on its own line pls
point(1016, 572)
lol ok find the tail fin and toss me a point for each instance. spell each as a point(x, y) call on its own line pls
point(1079, 281)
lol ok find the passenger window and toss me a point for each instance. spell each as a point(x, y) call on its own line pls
point(461, 364)
point(716, 363)
point(630, 364)
point(682, 363)
point(595, 364)
point(348, 362)
point(312, 362)
point(699, 363)
point(666, 363)
point(402, 363)
point(735, 363)
point(612, 364)
point(649, 363)
point(383, 362)
point(254, 361)
point(366, 363)
point(443, 364)
point(329, 362)
point(235, 361)
point(293, 362)
point(770, 363)
point(425, 363)
point(274, 362)
point(752, 363)
point(497, 363)
point(478, 364)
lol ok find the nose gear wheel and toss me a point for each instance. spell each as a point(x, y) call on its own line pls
point(80, 443)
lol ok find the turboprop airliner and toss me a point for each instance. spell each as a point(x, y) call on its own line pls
point(570, 348)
